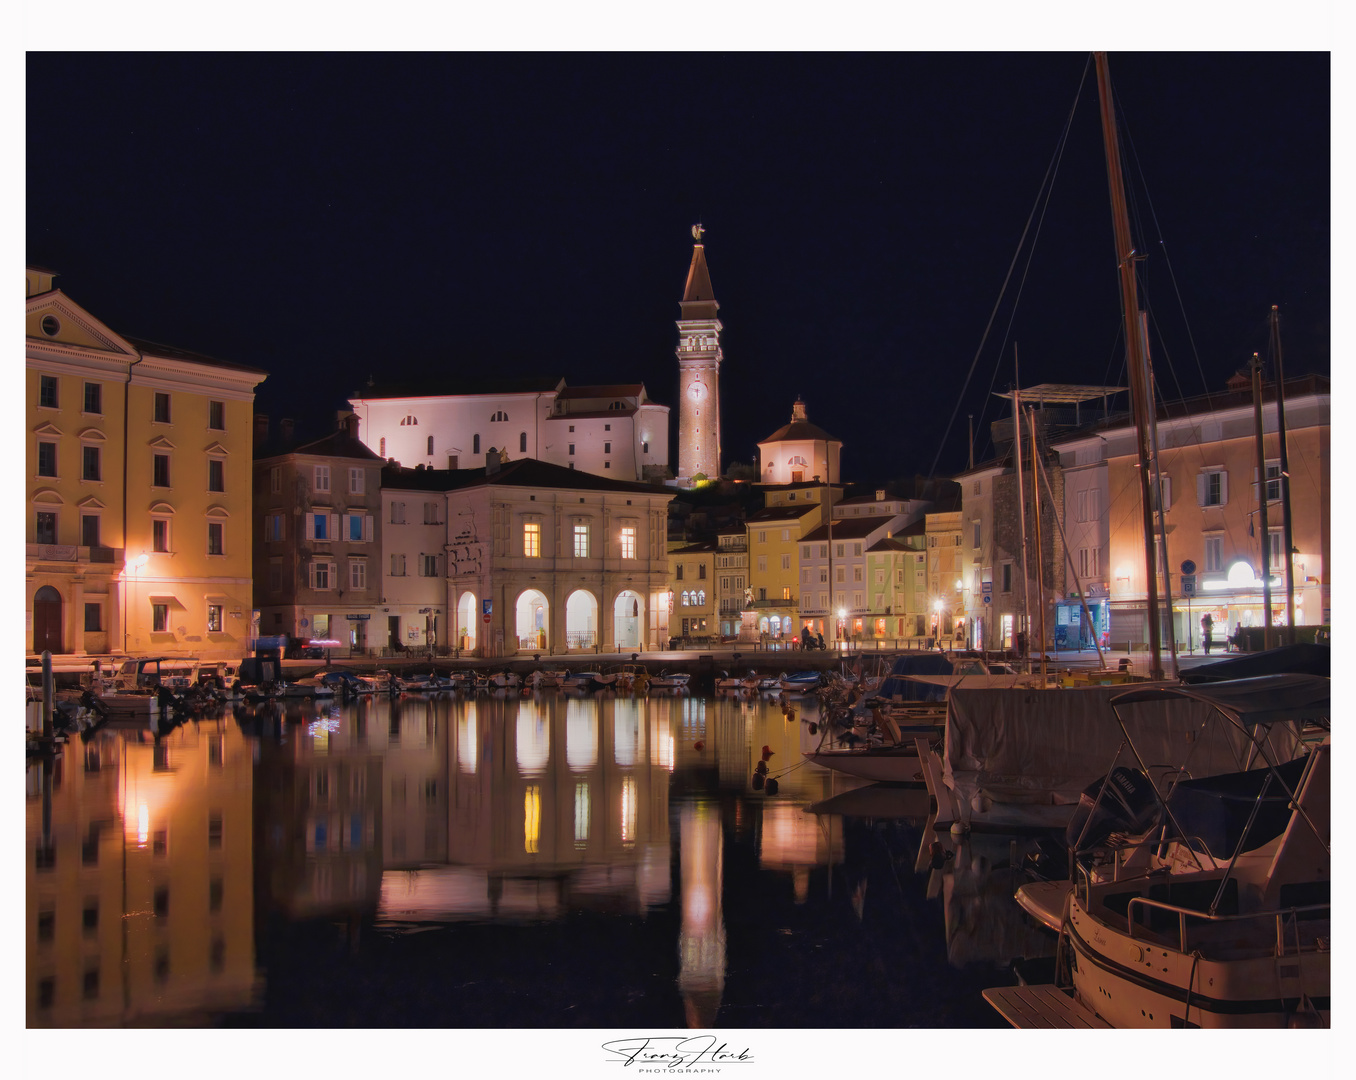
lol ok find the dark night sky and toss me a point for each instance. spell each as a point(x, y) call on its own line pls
point(331, 217)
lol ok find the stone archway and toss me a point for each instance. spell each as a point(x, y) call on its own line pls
point(533, 621)
point(581, 620)
point(628, 621)
point(468, 621)
point(47, 621)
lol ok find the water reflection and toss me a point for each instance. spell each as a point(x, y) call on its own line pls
point(163, 876)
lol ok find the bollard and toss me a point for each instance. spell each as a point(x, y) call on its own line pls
point(47, 694)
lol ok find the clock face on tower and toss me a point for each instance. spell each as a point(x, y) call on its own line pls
point(697, 389)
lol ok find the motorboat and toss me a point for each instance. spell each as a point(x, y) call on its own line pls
point(547, 678)
point(348, 682)
point(801, 682)
point(726, 681)
point(581, 680)
point(771, 683)
point(311, 686)
point(669, 680)
point(1232, 927)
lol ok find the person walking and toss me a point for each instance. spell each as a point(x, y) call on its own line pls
point(1207, 630)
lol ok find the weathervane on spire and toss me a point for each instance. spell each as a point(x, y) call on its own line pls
point(697, 231)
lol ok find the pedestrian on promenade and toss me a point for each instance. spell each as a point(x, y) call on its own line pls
point(1207, 630)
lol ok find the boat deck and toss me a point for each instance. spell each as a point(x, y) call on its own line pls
point(1042, 1008)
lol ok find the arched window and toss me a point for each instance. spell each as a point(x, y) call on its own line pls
point(797, 460)
point(616, 406)
point(499, 416)
point(475, 444)
point(701, 598)
point(685, 599)
point(382, 444)
point(430, 446)
point(522, 442)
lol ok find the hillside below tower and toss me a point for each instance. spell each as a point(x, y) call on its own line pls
point(699, 359)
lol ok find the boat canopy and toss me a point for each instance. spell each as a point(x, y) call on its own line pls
point(1265, 699)
point(1303, 658)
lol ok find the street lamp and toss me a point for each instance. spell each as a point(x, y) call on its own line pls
point(135, 566)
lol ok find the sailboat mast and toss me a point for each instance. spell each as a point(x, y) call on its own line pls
point(1139, 396)
point(1040, 549)
point(1267, 633)
point(1021, 488)
point(1289, 536)
point(1158, 487)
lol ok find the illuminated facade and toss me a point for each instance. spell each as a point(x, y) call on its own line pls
point(137, 520)
point(699, 357)
point(799, 452)
point(693, 586)
point(773, 599)
point(318, 558)
point(1210, 499)
point(543, 559)
point(611, 430)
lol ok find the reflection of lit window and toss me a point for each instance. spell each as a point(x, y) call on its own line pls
point(581, 813)
point(534, 741)
point(628, 811)
point(581, 736)
point(661, 749)
point(466, 739)
point(531, 818)
point(625, 733)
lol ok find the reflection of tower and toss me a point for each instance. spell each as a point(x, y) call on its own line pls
point(701, 941)
point(699, 359)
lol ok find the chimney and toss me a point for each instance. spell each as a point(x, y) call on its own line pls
point(260, 428)
point(348, 424)
point(285, 430)
point(880, 494)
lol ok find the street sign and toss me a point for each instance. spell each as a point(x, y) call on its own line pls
point(986, 587)
point(486, 616)
point(1188, 584)
point(1188, 567)
point(486, 606)
point(357, 618)
point(988, 599)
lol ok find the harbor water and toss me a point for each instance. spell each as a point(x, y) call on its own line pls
point(553, 860)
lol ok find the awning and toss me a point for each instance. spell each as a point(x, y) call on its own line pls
point(1266, 699)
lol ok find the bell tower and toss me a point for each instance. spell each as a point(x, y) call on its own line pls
point(699, 359)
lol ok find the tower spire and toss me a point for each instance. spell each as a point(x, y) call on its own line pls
point(699, 356)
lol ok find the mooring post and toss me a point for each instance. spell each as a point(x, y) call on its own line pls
point(46, 694)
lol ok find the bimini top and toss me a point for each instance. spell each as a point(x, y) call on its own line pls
point(1266, 699)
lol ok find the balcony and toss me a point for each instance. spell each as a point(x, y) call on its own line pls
point(73, 553)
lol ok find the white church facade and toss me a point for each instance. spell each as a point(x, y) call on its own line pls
point(614, 430)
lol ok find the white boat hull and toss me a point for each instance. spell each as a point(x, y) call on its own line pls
point(895, 765)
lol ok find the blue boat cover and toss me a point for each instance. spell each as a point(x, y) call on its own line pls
point(898, 687)
point(1303, 659)
point(1216, 808)
point(1265, 699)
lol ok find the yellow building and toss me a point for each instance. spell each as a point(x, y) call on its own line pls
point(790, 513)
point(693, 593)
point(137, 523)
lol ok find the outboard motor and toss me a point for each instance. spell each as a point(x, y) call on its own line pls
point(1128, 804)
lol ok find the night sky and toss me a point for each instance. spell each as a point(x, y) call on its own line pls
point(331, 218)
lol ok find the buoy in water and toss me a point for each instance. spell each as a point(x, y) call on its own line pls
point(699, 745)
point(772, 785)
point(814, 728)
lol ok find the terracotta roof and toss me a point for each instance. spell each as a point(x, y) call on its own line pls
point(609, 390)
point(802, 430)
point(704, 548)
point(594, 414)
point(170, 352)
point(699, 299)
point(848, 528)
point(458, 386)
point(338, 444)
point(891, 543)
point(782, 513)
point(529, 472)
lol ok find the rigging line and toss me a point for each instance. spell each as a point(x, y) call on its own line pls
point(1172, 276)
point(1050, 169)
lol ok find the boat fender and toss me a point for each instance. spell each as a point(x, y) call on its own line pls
point(814, 728)
point(761, 768)
point(768, 752)
point(772, 785)
point(699, 745)
point(790, 715)
point(959, 828)
point(939, 856)
point(757, 781)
